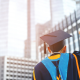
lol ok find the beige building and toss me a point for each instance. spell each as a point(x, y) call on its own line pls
point(15, 68)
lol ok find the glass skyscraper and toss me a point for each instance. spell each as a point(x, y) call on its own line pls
point(13, 27)
point(4, 11)
point(60, 9)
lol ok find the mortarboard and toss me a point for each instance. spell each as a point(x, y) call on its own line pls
point(55, 40)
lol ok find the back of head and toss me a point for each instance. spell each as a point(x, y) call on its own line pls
point(57, 46)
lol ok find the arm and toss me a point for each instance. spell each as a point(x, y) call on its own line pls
point(37, 72)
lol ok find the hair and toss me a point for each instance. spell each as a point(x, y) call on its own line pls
point(57, 46)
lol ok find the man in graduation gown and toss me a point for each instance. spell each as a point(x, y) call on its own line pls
point(60, 65)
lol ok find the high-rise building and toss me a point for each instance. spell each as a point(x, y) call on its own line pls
point(15, 68)
point(30, 28)
point(13, 26)
point(60, 9)
point(4, 10)
point(38, 12)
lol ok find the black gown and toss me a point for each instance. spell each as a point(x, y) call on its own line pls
point(65, 69)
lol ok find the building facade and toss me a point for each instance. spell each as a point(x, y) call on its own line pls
point(60, 9)
point(30, 28)
point(15, 68)
point(4, 10)
point(12, 27)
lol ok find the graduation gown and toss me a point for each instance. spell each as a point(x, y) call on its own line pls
point(58, 67)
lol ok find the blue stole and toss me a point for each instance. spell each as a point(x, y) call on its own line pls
point(63, 66)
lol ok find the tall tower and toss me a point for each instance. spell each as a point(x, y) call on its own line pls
point(4, 7)
point(60, 9)
point(30, 26)
point(12, 24)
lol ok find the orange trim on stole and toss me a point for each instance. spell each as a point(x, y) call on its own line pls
point(77, 65)
point(59, 78)
point(54, 56)
point(34, 75)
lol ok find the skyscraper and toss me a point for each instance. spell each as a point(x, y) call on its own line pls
point(30, 28)
point(4, 10)
point(12, 27)
point(60, 9)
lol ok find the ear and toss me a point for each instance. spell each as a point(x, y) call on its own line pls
point(64, 49)
point(49, 49)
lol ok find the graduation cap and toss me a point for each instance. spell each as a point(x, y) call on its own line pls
point(55, 40)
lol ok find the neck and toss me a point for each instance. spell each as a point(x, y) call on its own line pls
point(56, 52)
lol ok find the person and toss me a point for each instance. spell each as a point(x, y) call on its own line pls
point(59, 65)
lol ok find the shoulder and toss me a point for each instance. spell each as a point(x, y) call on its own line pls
point(40, 66)
point(74, 59)
point(77, 56)
point(77, 53)
point(71, 56)
point(77, 59)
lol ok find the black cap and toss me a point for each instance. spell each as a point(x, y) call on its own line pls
point(55, 40)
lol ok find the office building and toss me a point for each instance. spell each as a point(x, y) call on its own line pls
point(36, 11)
point(60, 9)
point(4, 10)
point(30, 28)
point(13, 25)
point(15, 68)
